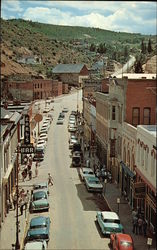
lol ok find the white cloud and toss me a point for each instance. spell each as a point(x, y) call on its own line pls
point(11, 5)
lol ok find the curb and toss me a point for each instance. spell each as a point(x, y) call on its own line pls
point(25, 231)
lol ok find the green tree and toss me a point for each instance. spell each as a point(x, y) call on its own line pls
point(149, 49)
point(143, 47)
point(138, 66)
point(92, 47)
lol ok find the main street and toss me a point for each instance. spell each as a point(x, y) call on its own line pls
point(72, 208)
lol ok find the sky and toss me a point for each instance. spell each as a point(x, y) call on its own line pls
point(124, 16)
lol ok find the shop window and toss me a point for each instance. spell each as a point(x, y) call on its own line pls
point(113, 113)
point(135, 116)
point(146, 116)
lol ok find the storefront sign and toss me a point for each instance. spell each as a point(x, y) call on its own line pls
point(27, 130)
point(27, 149)
point(139, 190)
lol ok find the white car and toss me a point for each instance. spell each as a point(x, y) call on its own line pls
point(43, 136)
point(46, 110)
point(72, 141)
point(36, 245)
point(65, 110)
point(84, 172)
point(72, 128)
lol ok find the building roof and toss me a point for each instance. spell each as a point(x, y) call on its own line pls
point(137, 76)
point(5, 114)
point(150, 128)
point(68, 68)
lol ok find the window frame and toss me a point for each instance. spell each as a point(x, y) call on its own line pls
point(145, 117)
point(136, 117)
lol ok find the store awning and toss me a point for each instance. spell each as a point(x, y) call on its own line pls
point(127, 170)
point(7, 174)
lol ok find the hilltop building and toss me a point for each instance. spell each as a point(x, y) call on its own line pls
point(72, 74)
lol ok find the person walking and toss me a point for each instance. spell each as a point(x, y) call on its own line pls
point(36, 171)
point(135, 225)
point(21, 207)
point(14, 201)
point(140, 225)
point(30, 174)
point(50, 180)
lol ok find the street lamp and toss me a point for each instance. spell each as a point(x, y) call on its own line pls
point(105, 182)
point(118, 202)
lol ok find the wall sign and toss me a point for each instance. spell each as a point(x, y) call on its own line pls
point(27, 130)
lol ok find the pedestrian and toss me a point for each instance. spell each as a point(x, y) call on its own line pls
point(29, 167)
point(25, 160)
point(144, 228)
point(30, 174)
point(85, 146)
point(36, 171)
point(134, 213)
point(26, 199)
point(50, 180)
point(140, 225)
point(135, 225)
point(14, 201)
point(21, 207)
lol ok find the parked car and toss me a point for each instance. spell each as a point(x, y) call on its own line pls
point(93, 184)
point(72, 142)
point(120, 241)
point(40, 186)
point(72, 128)
point(36, 245)
point(72, 118)
point(46, 110)
point(73, 112)
point(65, 110)
point(86, 172)
point(76, 159)
point(39, 201)
point(39, 229)
point(109, 222)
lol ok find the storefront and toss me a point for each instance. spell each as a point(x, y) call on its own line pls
point(127, 183)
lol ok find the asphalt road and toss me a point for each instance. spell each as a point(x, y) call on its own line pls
point(72, 208)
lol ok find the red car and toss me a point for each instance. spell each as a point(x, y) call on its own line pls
point(121, 242)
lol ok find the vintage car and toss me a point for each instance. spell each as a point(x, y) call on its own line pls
point(109, 222)
point(36, 245)
point(39, 201)
point(40, 186)
point(121, 242)
point(76, 159)
point(86, 172)
point(39, 229)
point(93, 184)
point(72, 128)
point(72, 141)
point(65, 110)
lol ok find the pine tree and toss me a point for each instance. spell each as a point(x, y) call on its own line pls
point(138, 66)
point(143, 47)
point(149, 49)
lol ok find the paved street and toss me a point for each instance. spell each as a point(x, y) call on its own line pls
point(72, 208)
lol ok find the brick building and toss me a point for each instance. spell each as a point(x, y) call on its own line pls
point(29, 90)
point(140, 98)
point(72, 74)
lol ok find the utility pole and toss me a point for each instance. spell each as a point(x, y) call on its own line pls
point(17, 244)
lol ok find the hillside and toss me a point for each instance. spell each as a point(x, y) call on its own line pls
point(62, 44)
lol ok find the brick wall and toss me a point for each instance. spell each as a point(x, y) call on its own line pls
point(138, 95)
point(84, 71)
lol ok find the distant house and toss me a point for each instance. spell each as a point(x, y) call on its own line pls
point(72, 74)
point(26, 59)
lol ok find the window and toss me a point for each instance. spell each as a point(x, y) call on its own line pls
point(135, 116)
point(113, 112)
point(146, 116)
point(41, 85)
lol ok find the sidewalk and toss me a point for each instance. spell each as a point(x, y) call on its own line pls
point(112, 192)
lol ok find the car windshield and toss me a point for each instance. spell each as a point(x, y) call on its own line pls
point(39, 196)
point(112, 221)
point(125, 243)
point(38, 226)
